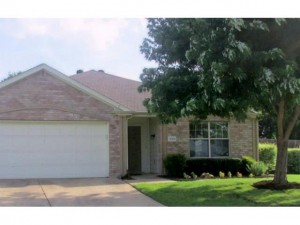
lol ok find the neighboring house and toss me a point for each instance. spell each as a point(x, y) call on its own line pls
point(94, 124)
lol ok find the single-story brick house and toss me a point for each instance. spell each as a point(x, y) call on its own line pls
point(93, 124)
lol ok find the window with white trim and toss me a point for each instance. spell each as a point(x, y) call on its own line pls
point(209, 139)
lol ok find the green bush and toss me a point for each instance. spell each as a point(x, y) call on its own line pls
point(257, 168)
point(294, 160)
point(246, 163)
point(174, 164)
point(212, 165)
point(267, 154)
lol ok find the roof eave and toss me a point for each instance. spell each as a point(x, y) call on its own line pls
point(134, 113)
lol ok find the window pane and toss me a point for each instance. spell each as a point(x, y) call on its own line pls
point(199, 148)
point(199, 130)
point(202, 130)
point(192, 130)
point(218, 130)
point(219, 148)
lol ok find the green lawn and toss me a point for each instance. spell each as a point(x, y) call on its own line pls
point(220, 192)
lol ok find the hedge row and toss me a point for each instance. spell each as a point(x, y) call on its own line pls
point(294, 161)
point(176, 164)
point(214, 166)
point(267, 154)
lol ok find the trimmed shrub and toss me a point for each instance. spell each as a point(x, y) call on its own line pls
point(212, 165)
point(246, 163)
point(229, 174)
point(239, 175)
point(185, 176)
point(257, 168)
point(294, 160)
point(221, 174)
point(267, 154)
point(193, 175)
point(174, 164)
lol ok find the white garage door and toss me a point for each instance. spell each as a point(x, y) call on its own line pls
point(53, 149)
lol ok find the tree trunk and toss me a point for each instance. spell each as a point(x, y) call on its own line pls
point(283, 135)
point(280, 176)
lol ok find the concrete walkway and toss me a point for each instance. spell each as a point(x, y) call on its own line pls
point(71, 192)
point(148, 178)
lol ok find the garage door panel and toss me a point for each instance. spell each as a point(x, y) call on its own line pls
point(58, 159)
point(36, 171)
point(6, 160)
point(53, 149)
point(24, 159)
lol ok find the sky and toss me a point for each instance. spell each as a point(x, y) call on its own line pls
point(67, 45)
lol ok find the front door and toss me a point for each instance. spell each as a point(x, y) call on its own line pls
point(134, 150)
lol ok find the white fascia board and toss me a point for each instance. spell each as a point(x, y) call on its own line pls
point(135, 114)
point(67, 80)
point(148, 115)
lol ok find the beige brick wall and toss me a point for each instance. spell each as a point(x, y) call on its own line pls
point(42, 97)
point(243, 137)
point(115, 146)
point(180, 130)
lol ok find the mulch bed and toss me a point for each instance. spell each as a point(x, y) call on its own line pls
point(267, 184)
point(203, 178)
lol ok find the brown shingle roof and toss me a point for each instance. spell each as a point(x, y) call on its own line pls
point(120, 90)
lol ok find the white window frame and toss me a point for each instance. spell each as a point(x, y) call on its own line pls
point(209, 139)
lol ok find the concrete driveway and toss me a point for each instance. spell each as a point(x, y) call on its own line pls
point(71, 192)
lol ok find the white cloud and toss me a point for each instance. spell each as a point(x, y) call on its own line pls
point(97, 34)
point(71, 44)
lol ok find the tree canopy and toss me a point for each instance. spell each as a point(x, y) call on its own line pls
point(225, 67)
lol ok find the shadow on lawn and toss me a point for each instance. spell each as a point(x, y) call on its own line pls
point(227, 195)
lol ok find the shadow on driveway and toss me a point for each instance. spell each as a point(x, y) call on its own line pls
point(71, 192)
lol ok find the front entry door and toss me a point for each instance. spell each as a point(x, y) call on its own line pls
point(134, 150)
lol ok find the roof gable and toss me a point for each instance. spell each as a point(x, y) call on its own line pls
point(69, 81)
point(121, 90)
